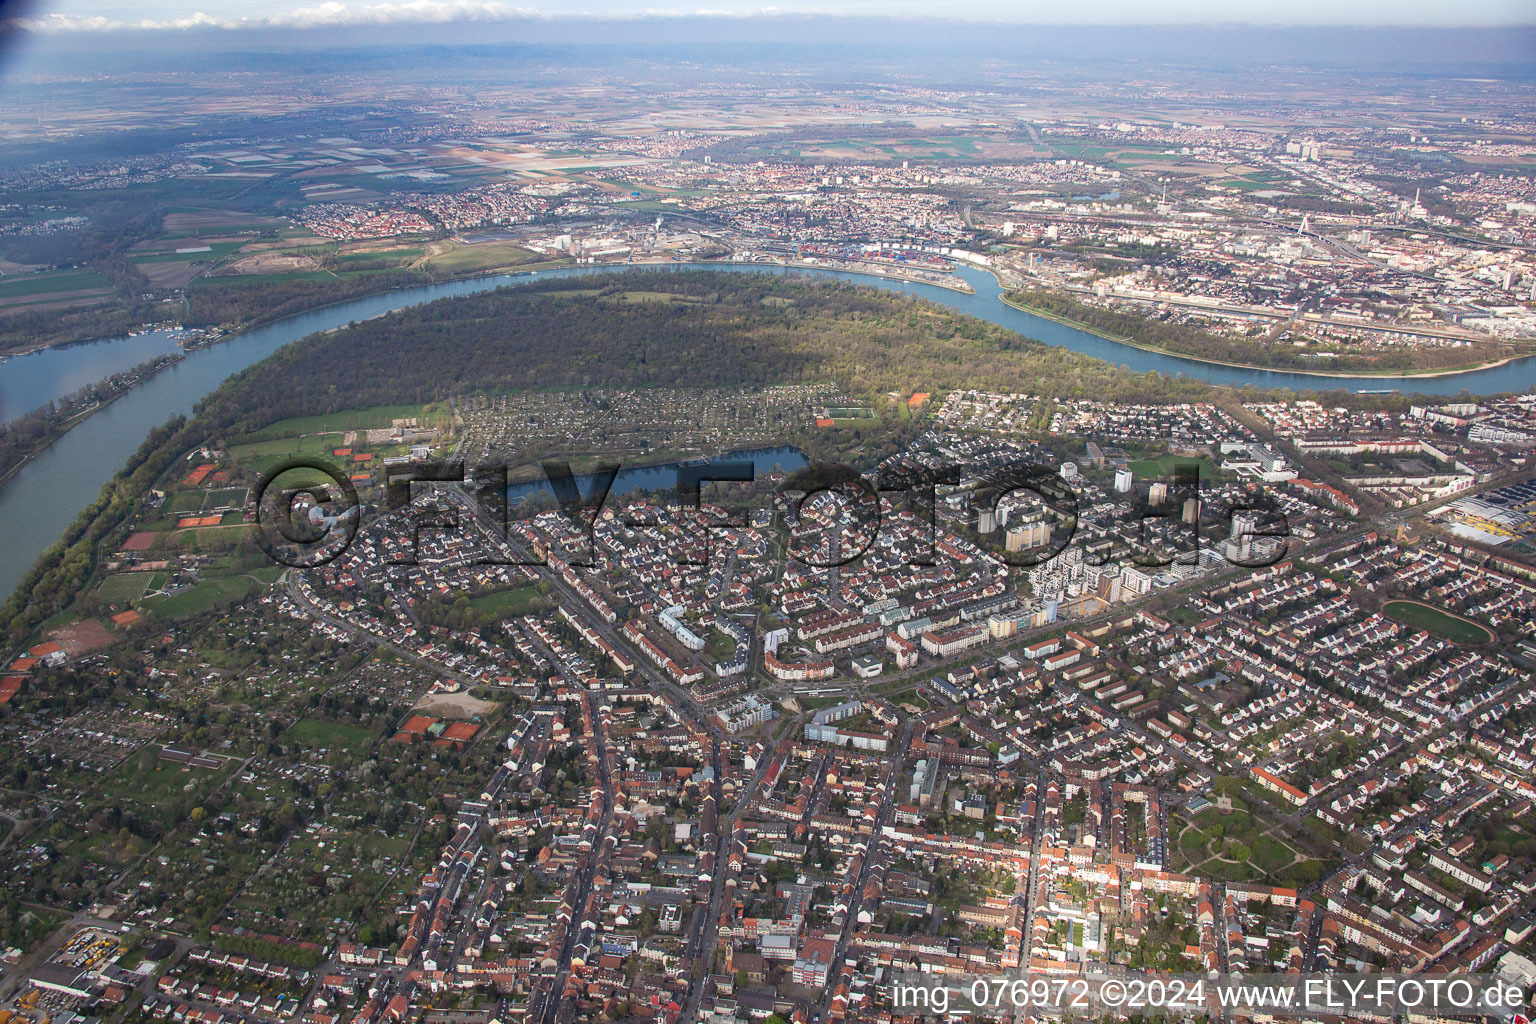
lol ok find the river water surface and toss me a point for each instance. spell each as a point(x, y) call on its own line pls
point(46, 495)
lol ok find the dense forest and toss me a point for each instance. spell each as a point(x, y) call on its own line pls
point(111, 227)
point(28, 434)
point(230, 300)
point(1191, 341)
point(578, 333)
point(27, 329)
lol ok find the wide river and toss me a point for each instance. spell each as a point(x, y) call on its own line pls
point(45, 496)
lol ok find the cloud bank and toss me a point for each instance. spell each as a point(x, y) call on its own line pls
point(328, 14)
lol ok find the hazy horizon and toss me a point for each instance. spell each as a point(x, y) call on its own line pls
point(1468, 50)
point(88, 16)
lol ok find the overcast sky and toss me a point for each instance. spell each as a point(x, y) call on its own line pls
point(173, 14)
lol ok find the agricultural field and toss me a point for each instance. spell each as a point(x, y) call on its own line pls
point(876, 149)
point(23, 291)
point(399, 255)
point(32, 285)
point(1088, 149)
point(170, 254)
point(240, 279)
point(450, 258)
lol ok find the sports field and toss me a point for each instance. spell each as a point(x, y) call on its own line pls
point(1438, 623)
point(1163, 467)
point(200, 598)
point(124, 587)
point(519, 601)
